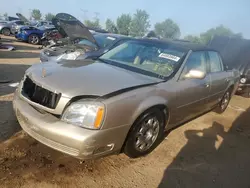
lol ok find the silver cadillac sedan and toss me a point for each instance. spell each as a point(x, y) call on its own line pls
point(125, 100)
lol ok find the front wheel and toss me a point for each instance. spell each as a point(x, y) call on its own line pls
point(6, 31)
point(224, 102)
point(146, 134)
point(34, 39)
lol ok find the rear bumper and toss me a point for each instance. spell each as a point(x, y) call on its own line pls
point(73, 140)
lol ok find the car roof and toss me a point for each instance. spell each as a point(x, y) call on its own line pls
point(184, 44)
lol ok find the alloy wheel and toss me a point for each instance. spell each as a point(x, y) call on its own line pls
point(225, 101)
point(6, 32)
point(147, 134)
point(34, 39)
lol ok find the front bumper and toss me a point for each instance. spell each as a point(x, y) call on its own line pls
point(21, 36)
point(73, 140)
point(244, 89)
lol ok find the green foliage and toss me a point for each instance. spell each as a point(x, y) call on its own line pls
point(140, 23)
point(123, 24)
point(94, 24)
point(5, 15)
point(36, 14)
point(110, 26)
point(192, 38)
point(205, 37)
point(167, 29)
point(219, 30)
point(49, 16)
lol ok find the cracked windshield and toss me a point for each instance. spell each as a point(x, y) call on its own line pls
point(123, 94)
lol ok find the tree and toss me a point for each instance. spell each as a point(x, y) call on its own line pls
point(192, 38)
point(36, 14)
point(93, 24)
point(123, 24)
point(140, 23)
point(5, 15)
point(110, 26)
point(219, 30)
point(167, 29)
point(49, 16)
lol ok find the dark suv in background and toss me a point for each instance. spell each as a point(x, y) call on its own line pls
point(236, 55)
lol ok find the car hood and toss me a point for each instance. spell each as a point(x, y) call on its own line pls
point(22, 18)
point(68, 25)
point(85, 78)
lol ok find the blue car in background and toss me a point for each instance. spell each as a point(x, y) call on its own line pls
point(32, 34)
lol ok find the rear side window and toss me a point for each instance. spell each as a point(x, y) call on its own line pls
point(215, 62)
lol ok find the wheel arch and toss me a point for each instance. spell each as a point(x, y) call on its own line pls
point(4, 28)
point(143, 109)
point(150, 103)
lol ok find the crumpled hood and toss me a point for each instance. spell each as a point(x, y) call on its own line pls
point(69, 26)
point(85, 77)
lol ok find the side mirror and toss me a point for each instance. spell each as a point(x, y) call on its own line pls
point(197, 74)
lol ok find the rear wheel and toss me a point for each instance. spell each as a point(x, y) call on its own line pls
point(146, 134)
point(6, 31)
point(34, 39)
point(224, 102)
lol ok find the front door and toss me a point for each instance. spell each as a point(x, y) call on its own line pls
point(192, 93)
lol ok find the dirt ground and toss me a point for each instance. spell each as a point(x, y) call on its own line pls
point(210, 151)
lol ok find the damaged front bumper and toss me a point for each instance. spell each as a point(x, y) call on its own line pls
point(70, 139)
point(244, 89)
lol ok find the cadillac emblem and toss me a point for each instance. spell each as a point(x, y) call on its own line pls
point(43, 72)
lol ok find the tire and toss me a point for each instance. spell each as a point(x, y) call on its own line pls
point(6, 31)
point(34, 39)
point(145, 134)
point(222, 106)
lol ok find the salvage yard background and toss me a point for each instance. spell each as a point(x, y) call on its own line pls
point(211, 151)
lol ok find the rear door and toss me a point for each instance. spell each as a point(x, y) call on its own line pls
point(219, 78)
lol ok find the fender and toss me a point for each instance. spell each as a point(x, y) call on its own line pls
point(149, 103)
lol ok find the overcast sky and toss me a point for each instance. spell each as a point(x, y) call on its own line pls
point(193, 16)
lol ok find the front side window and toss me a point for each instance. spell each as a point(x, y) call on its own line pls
point(215, 62)
point(149, 58)
point(195, 61)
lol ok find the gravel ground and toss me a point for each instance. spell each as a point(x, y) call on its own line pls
point(210, 151)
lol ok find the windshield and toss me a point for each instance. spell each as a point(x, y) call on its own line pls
point(104, 40)
point(152, 59)
point(87, 43)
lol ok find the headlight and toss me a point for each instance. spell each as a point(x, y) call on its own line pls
point(69, 56)
point(87, 114)
point(243, 80)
